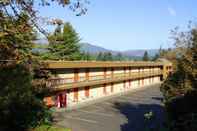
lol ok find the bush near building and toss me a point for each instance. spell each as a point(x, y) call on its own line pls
point(180, 89)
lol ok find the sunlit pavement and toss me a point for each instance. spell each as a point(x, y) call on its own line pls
point(123, 113)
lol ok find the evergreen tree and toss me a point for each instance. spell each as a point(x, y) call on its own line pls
point(119, 57)
point(155, 57)
point(99, 56)
point(107, 56)
point(15, 39)
point(145, 57)
point(64, 44)
point(20, 106)
point(86, 56)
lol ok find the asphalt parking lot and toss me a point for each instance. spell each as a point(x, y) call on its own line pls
point(122, 113)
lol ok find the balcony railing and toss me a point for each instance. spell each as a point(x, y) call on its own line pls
point(66, 83)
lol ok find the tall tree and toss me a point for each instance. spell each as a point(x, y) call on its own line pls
point(64, 44)
point(155, 57)
point(180, 88)
point(119, 57)
point(99, 56)
point(87, 56)
point(20, 106)
point(145, 56)
point(15, 38)
point(107, 56)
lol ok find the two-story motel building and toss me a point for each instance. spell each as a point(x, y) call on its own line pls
point(74, 83)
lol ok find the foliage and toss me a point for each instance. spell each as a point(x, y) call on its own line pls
point(155, 57)
point(21, 103)
point(20, 108)
point(145, 57)
point(64, 44)
point(31, 7)
point(180, 90)
point(87, 56)
point(99, 56)
point(119, 57)
point(15, 38)
point(106, 56)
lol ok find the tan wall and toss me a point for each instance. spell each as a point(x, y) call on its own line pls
point(94, 72)
point(97, 92)
point(118, 70)
point(65, 73)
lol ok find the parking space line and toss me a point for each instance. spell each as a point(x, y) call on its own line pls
point(97, 107)
point(81, 119)
point(108, 103)
point(97, 113)
point(121, 100)
point(127, 97)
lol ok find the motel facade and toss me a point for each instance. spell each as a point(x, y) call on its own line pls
point(81, 83)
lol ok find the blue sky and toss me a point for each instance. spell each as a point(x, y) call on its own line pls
point(128, 24)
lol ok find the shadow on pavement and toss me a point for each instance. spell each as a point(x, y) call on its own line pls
point(135, 116)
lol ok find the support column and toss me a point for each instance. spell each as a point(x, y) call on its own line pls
point(87, 89)
point(142, 81)
point(105, 73)
point(124, 71)
point(129, 83)
point(104, 89)
point(76, 75)
point(112, 87)
point(129, 71)
point(76, 91)
point(112, 72)
point(87, 73)
point(149, 80)
point(124, 85)
point(76, 78)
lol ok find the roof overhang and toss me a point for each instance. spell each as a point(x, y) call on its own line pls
point(97, 64)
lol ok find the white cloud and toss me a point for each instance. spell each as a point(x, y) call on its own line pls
point(171, 11)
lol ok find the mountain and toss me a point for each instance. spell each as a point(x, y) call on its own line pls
point(151, 52)
point(92, 49)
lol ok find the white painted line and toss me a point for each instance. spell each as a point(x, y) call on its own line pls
point(122, 100)
point(108, 103)
point(81, 119)
point(127, 97)
point(97, 107)
point(97, 113)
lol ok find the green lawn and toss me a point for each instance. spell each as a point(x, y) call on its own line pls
point(50, 128)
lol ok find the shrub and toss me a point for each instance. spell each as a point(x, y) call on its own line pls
point(19, 106)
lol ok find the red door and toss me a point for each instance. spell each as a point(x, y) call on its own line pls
point(64, 99)
point(75, 94)
point(61, 100)
point(104, 89)
point(87, 91)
